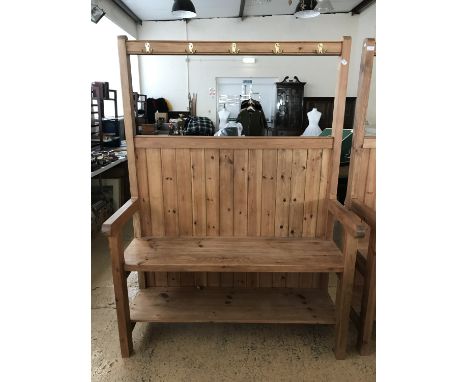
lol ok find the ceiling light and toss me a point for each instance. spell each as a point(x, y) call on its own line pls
point(305, 9)
point(248, 60)
point(96, 14)
point(184, 9)
point(324, 6)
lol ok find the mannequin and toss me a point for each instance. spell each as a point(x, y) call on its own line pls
point(223, 117)
point(313, 129)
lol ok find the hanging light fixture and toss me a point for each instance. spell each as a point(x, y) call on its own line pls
point(305, 9)
point(184, 9)
point(324, 6)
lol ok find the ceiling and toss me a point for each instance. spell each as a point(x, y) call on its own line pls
point(161, 9)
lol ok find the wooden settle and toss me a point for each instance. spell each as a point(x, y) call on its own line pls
point(244, 217)
point(360, 198)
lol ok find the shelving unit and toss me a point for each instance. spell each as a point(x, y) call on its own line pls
point(97, 117)
point(140, 103)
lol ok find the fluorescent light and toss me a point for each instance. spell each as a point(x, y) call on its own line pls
point(248, 60)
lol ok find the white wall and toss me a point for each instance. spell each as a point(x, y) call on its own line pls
point(167, 76)
point(105, 60)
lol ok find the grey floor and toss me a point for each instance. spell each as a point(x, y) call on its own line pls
point(212, 352)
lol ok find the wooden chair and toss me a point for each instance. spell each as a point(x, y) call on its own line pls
point(360, 199)
point(234, 229)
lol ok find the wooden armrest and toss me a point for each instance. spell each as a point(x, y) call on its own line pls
point(114, 224)
point(364, 212)
point(350, 221)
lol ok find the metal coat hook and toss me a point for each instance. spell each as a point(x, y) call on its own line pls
point(277, 49)
point(320, 49)
point(233, 49)
point(148, 48)
point(191, 49)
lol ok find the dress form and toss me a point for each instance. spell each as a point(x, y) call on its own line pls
point(313, 129)
point(223, 117)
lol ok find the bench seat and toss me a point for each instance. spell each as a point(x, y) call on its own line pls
point(232, 254)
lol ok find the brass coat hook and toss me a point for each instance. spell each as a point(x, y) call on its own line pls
point(148, 48)
point(233, 49)
point(277, 49)
point(191, 49)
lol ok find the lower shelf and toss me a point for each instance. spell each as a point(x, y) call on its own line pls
point(235, 305)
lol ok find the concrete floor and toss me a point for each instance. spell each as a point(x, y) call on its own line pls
point(212, 352)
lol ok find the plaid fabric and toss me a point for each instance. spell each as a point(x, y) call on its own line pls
point(198, 126)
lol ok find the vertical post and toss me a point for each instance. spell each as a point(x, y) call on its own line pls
point(121, 295)
point(344, 296)
point(129, 121)
point(368, 300)
point(338, 115)
point(360, 113)
point(130, 131)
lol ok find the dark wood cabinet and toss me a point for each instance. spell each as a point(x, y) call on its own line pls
point(289, 106)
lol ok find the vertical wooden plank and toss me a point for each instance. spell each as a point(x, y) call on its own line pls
point(296, 209)
point(169, 171)
point(130, 128)
point(254, 203)
point(369, 197)
point(241, 163)
point(212, 191)
point(145, 212)
point(269, 168)
point(226, 203)
point(255, 193)
point(360, 177)
point(199, 202)
point(269, 192)
point(184, 202)
point(311, 193)
point(160, 278)
point(169, 181)
point(226, 192)
point(184, 191)
point(212, 203)
point(121, 295)
point(338, 116)
point(322, 205)
point(283, 192)
point(298, 180)
point(153, 162)
point(344, 295)
point(198, 192)
point(283, 199)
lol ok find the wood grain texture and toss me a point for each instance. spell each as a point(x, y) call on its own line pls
point(320, 230)
point(241, 305)
point(241, 167)
point(283, 192)
point(143, 191)
point(184, 191)
point(233, 254)
point(254, 197)
point(154, 171)
point(169, 181)
point(212, 191)
point(232, 143)
point(312, 192)
point(223, 48)
point(129, 123)
point(269, 192)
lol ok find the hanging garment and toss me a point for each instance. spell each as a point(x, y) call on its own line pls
point(154, 105)
point(253, 122)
